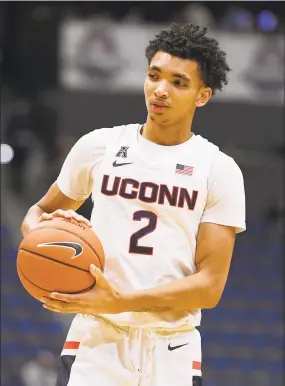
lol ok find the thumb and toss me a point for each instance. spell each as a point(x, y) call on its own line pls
point(97, 273)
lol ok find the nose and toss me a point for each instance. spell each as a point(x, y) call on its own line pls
point(161, 92)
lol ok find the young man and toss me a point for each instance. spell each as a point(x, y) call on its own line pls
point(167, 206)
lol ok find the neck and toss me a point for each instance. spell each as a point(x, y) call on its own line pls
point(165, 135)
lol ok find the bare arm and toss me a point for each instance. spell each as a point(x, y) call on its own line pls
point(201, 290)
point(53, 204)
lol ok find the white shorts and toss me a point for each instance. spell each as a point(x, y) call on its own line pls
point(100, 353)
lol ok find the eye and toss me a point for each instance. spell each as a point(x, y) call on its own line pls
point(152, 76)
point(178, 83)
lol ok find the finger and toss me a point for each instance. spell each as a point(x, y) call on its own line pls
point(62, 213)
point(68, 214)
point(45, 216)
point(67, 298)
point(74, 215)
point(86, 221)
point(54, 303)
point(63, 311)
point(80, 218)
point(51, 308)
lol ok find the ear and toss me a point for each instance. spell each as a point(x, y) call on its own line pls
point(203, 96)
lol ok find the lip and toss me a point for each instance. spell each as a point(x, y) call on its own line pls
point(158, 109)
point(158, 106)
point(158, 103)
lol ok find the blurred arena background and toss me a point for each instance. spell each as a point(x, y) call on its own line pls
point(69, 68)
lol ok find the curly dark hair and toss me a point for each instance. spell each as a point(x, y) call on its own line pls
point(190, 42)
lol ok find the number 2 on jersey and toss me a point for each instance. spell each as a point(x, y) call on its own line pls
point(150, 227)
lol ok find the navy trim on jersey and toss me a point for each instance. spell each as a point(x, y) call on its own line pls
point(197, 381)
point(65, 364)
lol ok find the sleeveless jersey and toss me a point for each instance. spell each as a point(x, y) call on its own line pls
point(149, 201)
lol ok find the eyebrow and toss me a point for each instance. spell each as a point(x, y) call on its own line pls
point(175, 75)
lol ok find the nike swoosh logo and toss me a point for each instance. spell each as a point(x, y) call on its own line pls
point(77, 248)
point(125, 163)
point(171, 348)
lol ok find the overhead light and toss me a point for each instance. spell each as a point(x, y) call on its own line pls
point(267, 21)
point(7, 153)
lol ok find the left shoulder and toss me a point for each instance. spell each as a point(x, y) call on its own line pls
point(218, 159)
point(226, 164)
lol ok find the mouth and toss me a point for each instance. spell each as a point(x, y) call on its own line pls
point(158, 106)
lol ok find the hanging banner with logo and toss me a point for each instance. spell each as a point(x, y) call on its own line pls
point(99, 55)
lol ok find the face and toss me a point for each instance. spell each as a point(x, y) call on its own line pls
point(173, 89)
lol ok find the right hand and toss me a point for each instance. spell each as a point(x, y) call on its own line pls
point(68, 214)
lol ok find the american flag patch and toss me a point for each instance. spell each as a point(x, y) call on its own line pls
point(184, 169)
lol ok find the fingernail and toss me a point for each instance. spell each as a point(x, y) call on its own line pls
point(53, 295)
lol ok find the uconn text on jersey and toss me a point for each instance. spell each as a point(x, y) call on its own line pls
point(150, 192)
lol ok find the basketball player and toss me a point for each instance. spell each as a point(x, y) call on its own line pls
point(167, 206)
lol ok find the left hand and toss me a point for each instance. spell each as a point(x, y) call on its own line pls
point(101, 299)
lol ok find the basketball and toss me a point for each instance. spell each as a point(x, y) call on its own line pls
point(55, 257)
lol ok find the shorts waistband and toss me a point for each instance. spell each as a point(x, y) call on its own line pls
point(164, 331)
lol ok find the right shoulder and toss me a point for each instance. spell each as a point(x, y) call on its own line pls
point(75, 178)
point(96, 141)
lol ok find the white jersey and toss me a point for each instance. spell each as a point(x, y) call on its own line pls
point(149, 201)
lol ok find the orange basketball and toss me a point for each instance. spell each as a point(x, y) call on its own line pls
point(55, 257)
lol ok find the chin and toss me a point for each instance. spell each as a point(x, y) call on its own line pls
point(160, 120)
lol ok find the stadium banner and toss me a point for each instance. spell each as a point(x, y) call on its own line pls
point(100, 55)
